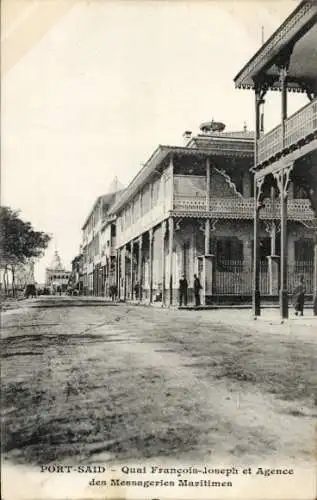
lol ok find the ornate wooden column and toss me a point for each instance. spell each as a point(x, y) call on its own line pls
point(170, 203)
point(170, 256)
point(207, 236)
point(164, 228)
point(116, 274)
point(256, 296)
point(124, 272)
point(208, 172)
point(140, 241)
point(258, 182)
point(273, 259)
point(315, 277)
point(131, 269)
point(151, 263)
point(282, 178)
point(283, 81)
point(207, 223)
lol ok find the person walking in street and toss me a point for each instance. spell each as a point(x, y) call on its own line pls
point(299, 296)
point(183, 287)
point(197, 288)
point(137, 290)
point(113, 292)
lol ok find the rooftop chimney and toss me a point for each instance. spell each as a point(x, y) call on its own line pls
point(187, 135)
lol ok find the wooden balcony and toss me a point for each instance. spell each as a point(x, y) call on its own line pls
point(241, 208)
point(298, 128)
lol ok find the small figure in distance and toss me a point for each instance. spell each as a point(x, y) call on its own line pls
point(183, 287)
point(137, 290)
point(299, 296)
point(197, 288)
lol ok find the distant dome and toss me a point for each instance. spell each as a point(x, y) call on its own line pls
point(56, 263)
point(212, 127)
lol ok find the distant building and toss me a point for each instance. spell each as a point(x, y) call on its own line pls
point(98, 244)
point(56, 276)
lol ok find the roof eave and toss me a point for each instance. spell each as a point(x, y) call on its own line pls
point(266, 51)
point(138, 180)
point(91, 212)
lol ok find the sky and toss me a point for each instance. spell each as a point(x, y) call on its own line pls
point(95, 87)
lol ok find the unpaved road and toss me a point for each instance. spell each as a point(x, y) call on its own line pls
point(128, 383)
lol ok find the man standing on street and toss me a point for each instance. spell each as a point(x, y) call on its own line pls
point(197, 288)
point(299, 296)
point(183, 286)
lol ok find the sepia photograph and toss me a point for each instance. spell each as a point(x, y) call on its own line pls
point(158, 239)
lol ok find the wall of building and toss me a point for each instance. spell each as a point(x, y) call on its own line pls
point(147, 209)
point(189, 243)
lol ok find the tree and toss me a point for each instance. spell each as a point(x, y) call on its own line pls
point(19, 242)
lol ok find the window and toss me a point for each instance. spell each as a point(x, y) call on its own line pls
point(265, 246)
point(229, 253)
point(146, 200)
point(155, 192)
point(304, 250)
point(299, 192)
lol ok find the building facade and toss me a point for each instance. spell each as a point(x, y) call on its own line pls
point(190, 211)
point(287, 155)
point(56, 276)
point(98, 246)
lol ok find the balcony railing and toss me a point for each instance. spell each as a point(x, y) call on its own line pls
point(298, 127)
point(239, 208)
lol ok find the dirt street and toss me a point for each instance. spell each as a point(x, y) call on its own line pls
point(130, 382)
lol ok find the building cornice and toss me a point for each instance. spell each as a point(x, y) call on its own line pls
point(302, 16)
point(102, 198)
point(91, 211)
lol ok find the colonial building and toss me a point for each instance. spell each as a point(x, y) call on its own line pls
point(56, 276)
point(98, 244)
point(286, 157)
point(190, 209)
